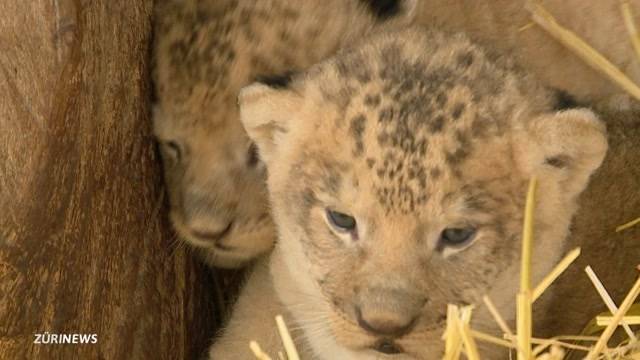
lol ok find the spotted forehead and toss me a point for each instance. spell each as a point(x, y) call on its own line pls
point(414, 116)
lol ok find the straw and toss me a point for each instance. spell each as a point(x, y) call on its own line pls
point(492, 339)
point(606, 298)
point(608, 331)
point(527, 237)
point(453, 343)
point(524, 296)
point(553, 341)
point(627, 320)
point(289, 347)
point(587, 53)
point(628, 225)
point(468, 341)
point(257, 351)
point(555, 273)
point(496, 316)
point(630, 24)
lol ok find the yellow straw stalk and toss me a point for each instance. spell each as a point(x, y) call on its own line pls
point(289, 347)
point(628, 225)
point(524, 298)
point(615, 321)
point(592, 57)
point(627, 15)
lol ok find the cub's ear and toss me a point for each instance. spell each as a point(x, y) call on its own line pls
point(566, 147)
point(265, 112)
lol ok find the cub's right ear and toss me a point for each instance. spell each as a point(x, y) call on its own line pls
point(564, 148)
point(265, 112)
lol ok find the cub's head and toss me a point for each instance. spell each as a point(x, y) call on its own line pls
point(397, 174)
point(215, 183)
point(213, 177)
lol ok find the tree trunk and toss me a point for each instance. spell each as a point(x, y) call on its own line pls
point(85, 247)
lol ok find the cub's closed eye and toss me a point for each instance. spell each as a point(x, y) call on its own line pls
point(173, 149)
point(457, 237)
point(341, 222)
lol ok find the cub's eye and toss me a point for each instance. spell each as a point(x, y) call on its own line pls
point(252, 156)
point(342, 222)
point(457, 237)
point(173, 149)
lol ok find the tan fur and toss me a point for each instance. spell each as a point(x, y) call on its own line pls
point(500, 23)
point(204, 52)
point(412, 132)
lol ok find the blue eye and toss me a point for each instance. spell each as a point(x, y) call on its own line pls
point(457, 237)
point(342, 222)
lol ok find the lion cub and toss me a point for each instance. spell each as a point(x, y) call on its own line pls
point(397, 173)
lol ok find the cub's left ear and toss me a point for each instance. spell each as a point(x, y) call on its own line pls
point(567, 147)
point(265, 112)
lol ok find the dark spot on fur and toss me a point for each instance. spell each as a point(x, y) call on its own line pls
point(462, 139)
point(301, 206)
point(457, 156)
point(385, 114)
point(441, 99)
point(370, 162)
point(372, 100)
point(465, 60)
point(437, 124)
point(564, 101)
point(479, 127)
point(357, 129)
point(435, 173)
point(476, 202)
point(331, 178)
point(458, 109)
point(353, 66)
point(357, 126)
point(276, 81)
point(384, 9)
point(284, 35)
point(231, 55)
point(308, 199)
point(422, 177)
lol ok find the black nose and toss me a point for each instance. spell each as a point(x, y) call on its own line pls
point(386, 325)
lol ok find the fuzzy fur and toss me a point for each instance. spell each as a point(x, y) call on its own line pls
point(204, 52)
point(411, 132)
